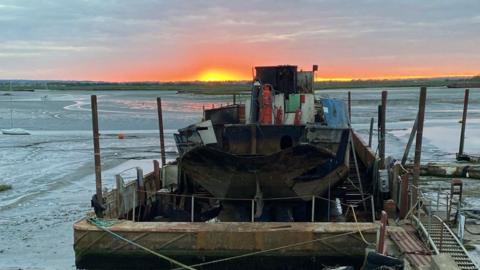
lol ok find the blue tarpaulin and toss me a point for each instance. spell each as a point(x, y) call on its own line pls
point(335, 113)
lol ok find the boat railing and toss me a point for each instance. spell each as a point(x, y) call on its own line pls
point(134, 199)
point(254, 202)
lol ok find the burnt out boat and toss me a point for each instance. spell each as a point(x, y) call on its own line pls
point(281, 143)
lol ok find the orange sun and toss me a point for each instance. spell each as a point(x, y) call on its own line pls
point(216, 75)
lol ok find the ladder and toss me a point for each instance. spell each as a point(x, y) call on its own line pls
point(445, 241)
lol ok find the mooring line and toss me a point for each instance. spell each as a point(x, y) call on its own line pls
point(275, 249)
point(183, 266)
point(358, 227)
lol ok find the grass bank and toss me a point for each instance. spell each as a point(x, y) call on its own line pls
point(4, 187)
point(215, 88)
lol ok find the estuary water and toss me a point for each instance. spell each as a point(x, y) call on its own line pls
point(52, 175)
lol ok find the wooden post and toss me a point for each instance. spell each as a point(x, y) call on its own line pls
point(418, 144)
point(96, 150)
point(410, 141)
point(156, 174)
point(381, 145)
point(234, 99)
point(350, 106)
point(464, 122)
point(404, 195)
point(160, 127)
point(371, 133)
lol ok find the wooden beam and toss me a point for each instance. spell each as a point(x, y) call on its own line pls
point(96, 151)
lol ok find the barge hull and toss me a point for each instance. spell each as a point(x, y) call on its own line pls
point(199, 242)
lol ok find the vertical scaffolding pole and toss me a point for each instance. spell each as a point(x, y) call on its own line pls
point(419, 137)
point(464, 122)
point(160, 127)
point(381, 145)
point(96, 150)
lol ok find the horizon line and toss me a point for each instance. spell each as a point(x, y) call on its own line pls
point(317, 79)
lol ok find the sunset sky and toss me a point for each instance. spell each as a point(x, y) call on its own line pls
point(221, 40)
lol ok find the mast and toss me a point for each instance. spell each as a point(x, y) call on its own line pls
point(11, 107)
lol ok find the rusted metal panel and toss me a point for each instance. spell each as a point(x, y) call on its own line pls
point(305, 81)
point(232, 114)
point(229, 236)
point(415, 251)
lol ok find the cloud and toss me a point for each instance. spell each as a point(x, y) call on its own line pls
point(169, 34)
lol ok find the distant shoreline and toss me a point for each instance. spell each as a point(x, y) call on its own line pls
point(222, 88)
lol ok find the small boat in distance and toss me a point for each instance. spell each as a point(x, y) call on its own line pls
point(15, 131)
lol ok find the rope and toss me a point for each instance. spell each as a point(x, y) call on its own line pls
point(273, 249)
point(358, 227)
point(98, 224)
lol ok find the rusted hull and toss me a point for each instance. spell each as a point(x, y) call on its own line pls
point(283, 174)
point(191, 243)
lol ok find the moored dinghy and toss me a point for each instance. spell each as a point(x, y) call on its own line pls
point(15, 131)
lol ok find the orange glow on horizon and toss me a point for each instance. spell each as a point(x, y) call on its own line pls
point(243, 72)
point(392, 77)
point(218, 75)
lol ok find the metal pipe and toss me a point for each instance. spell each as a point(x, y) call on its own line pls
point(253, 211)
point(447, 210)
point(438, 198)
point(134, 204)
point(429, 216)
point(441, 238)
point(313, 208)
point(419, 137)
point(464, 122)
point(371, 133)
point(160, 127)
point(372, 202)
point(383, 113)
point(96, 151)
point(357, 170)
